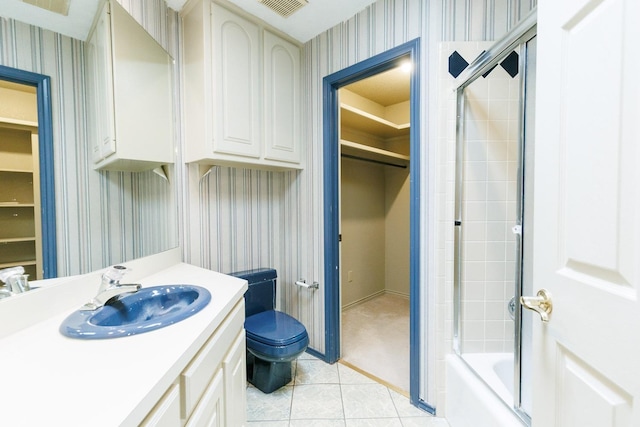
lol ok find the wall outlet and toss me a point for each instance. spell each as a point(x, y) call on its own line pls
point(350, 276)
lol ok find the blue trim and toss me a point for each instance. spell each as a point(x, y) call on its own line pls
point(425, 406)
point(415, 330)
point(315, 353)
point(47, 184)
point(331, 84)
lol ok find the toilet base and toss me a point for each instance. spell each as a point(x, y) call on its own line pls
point(267, 376)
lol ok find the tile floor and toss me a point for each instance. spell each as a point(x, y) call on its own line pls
point(333, 395)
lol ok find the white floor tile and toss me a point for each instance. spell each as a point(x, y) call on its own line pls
point(405, 408)
point(324, 395)
point(316, 372)
point(367, 401)
point(374, 422)
point(269, 407)
point(268, 423)
point(424, 422)
point(317, 423)
point(317, 401)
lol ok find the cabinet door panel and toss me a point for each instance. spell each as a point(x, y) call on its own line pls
point(210, 410)
point(236, 74)
point(167, 411)
point(282, 99)
point(101, 88)
point(197, 375)
point(235, 382)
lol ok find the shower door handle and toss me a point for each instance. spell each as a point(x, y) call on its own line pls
point(541, 304)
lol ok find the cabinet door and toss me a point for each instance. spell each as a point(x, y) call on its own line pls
point(167, 412)
point(235, 382)
point(210, 409)
point(236, 55)
point(281, 99)
point(101, 88)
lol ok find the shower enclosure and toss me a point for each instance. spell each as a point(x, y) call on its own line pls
point(493, 205)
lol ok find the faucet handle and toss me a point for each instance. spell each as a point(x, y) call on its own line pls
point(115, 273)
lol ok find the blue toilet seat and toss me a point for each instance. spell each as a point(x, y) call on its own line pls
point(275, 336)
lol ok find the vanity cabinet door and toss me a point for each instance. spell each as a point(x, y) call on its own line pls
point(210, 409)
point(281, 99)
point(235, 382)
point(167, 412)
point(236, 56)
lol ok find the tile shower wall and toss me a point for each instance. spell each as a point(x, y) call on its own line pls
point(489, 190)
point(102, 218)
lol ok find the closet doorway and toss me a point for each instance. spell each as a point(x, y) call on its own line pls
point(27, 200)
point(372, 215)
point(374, 225)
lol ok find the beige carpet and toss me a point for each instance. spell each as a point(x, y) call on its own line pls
point(375, 338)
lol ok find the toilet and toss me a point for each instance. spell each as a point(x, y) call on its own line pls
point(274, 338)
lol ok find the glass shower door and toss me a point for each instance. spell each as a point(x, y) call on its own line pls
point(493, 220)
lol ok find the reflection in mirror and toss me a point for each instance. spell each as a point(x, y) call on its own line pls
point(27, 230)
point(101, 218)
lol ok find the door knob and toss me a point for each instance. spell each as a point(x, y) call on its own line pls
point(541, 304)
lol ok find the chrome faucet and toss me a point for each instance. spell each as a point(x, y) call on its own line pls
point(110, 287)
point(16, 282)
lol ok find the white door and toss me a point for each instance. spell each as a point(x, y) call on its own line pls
point(587, 213)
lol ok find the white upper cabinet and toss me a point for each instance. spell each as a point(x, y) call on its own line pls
point(236, 76)
point(281, 99)
point(130, 95)
point(241, 90)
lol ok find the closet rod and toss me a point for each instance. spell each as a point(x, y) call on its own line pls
point(349, 156)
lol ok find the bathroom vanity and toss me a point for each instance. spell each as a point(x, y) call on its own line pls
point(190, 373)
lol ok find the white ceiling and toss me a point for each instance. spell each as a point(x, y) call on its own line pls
point(306, 23)
point(77, 24)
point(386, 88)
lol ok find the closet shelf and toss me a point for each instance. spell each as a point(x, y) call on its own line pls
point(17, 240)
point(13, 170)
point(17, 263)
point(372, 153)
point(358, 119)
point(18, 122)
point(16, 205)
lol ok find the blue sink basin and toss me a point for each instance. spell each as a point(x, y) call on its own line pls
point(144, 311)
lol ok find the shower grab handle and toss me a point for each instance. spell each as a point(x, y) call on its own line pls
point(541, 304)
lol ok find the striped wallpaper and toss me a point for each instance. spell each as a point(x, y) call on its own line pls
point(233, 219)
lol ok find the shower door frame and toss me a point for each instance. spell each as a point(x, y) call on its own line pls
point(517, 38)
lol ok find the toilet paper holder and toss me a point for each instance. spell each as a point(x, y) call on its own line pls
point(303, 284)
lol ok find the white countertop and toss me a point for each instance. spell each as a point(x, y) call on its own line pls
point(47, 379)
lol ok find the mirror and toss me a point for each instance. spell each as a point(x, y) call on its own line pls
point(99, 218)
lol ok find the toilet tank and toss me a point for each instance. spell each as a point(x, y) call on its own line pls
point(261, 295)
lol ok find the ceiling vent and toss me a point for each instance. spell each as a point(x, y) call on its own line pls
point(55, 6)
point(284, 8)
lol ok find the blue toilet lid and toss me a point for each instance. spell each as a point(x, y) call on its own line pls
point(274, 328)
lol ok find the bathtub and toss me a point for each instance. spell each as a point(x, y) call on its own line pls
point(469, 399)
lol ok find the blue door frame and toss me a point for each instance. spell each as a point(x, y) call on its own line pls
point(374, 65)
point(42, 84)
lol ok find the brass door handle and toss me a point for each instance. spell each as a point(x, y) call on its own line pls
point(541, 304)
